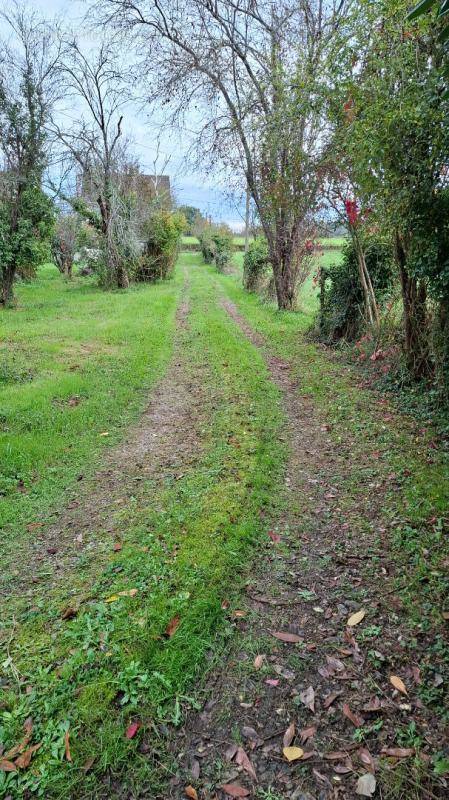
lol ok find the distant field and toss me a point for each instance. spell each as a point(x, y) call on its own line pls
point(239, 241)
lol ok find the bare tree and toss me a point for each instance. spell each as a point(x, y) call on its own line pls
point(255, 67)
point(95, 83)
point(28, 88)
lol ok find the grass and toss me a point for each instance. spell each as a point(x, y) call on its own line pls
point(419, 513)
point(74, 363)
point(185, 545)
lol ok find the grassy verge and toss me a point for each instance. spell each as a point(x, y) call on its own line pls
point(403, 455)
point(133, 657)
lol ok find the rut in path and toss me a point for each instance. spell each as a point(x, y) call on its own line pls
point(163, 442)
point(308, 582)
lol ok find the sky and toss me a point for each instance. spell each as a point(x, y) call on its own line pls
point(190, 187)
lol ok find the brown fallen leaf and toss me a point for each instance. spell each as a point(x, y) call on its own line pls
point(367, 759)
point(343, 769)
point(28, 728)
point(307, 733)
point(7, 766)
point(189, 791)
point(398, 752)
point(258, 661)
point(234, 790)
point(285, 636)
point(307, 697)
point(356, 719)
point(416, 672)
point(230, 752)
point(69, 612)
point(68, 754)
point(117, 547)
point(331, 698)
point(289, 735)
point(88, 764)
point(293, 753)
point(398, 683)
point(275, 537)
point(23, 761)
point(172, 626)
point(335, 664)
point(354, 619)
point(33, 526)
point(366, 785)
point(336, 755)
point(243, 761)
point(373, 705)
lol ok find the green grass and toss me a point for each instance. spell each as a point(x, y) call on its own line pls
point(185, 546)
point(74, 362)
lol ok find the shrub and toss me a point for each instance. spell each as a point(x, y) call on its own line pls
point(223, 241)
point(256, 264)
point(207, 244)
point(341, 300)
point(163, 231)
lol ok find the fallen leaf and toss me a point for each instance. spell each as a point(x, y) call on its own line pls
point(293, 753)
point(289, 735)
point(32, 526)
point(230, 752)
point(234, 790)
point(104, 433)
point(275, 537)
point(398, 684)
point(343, 769)
point(125, 593)
point(172, 626)
point(366, 785)
point(307, 697)
point(258, 661)
point(117, 546)
point(335, 663)
point(69, 612)
point(195, 768)
point(24, 760)
point(88, 764)
point(68, 754)
point(354, 619)
point(416, 675)
point(336, 755)
point(285, 636)
point(243, 761)
point(330, 698)
point(373, 705)
point(272, 681)
point(189, 791)
point(367, 759)
point(398, 752)
point(238, 614)
point(307, 733)
point(132, 729)
point(250, 733)
point(356, 719)
point(7, 766)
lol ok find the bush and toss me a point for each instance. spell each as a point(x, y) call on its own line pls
point(341, 313)
point(223, 247)
point(207, 244)
point(256, 264)
point(163, 231)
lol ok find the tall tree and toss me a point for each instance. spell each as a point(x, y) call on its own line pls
point(95, 83)
point(28, 87)
point(254, 66)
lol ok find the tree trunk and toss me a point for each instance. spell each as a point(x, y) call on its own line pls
point(122, 277)
point(285, 284)
point(416, 332)
point(7, 295)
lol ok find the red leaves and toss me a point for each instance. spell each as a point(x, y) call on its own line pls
point(275, 537)
point(352, 211)
point(132, 729)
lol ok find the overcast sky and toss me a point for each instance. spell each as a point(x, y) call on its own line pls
point(190, 188)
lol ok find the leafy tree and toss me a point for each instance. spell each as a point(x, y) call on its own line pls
point(27, 90)
point(391, 128)
point(163, 233)
point(256, 69)
point(192, 216)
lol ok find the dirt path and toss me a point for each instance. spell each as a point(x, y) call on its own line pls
point(328, 691)
point(160, 445)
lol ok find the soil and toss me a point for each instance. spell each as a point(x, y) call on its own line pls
point(329, 692)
